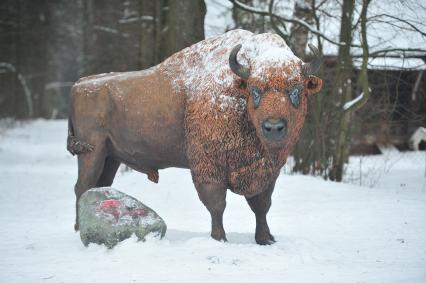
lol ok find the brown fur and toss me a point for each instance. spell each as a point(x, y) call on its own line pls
point(223, 144)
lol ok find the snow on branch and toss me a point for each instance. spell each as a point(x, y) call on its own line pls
point(357, 102)
point(350, 103)
point(106, 29)
point(110, 30)
point(136, 19)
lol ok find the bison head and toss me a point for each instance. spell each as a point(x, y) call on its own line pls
point(277, 93)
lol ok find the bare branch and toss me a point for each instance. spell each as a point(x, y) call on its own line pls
point(318, 6)
point(414, 28)
point(403, 50)
point(317, 23)
point(274, 25)
point(285, 19)
point(324, 12)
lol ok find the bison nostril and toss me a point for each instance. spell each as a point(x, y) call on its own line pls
point(280, 125)
point(274, 130)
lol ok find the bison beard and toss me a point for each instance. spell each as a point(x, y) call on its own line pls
point(195, 111)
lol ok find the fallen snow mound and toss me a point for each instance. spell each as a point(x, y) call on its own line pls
point(325, 231)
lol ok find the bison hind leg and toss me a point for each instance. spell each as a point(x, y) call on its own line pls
point(108, 173)
point(90, 169)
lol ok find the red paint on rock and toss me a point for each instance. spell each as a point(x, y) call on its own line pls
point(110, 203)
point(117, 209)
point(111, 206)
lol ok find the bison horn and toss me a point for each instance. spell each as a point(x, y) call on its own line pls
point(238, 69)
point(312, 67)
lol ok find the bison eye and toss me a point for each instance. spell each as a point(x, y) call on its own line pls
point(294, 96)
point(256, 93)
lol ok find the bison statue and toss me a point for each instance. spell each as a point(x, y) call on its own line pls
point(230, 108)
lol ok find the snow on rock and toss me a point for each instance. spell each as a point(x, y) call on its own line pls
point(108, 216)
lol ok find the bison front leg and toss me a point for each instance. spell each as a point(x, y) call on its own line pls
point(213, 197)
point(260, 205)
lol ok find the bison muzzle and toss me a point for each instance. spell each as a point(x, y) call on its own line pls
point(230, 108)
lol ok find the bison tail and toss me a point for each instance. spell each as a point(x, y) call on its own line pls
point(75, 146)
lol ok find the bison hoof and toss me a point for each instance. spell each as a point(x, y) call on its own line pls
point(76, 228)
point(219, 236)
point(266, 240)
point(153, 176)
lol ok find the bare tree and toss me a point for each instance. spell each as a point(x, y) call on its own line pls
point(325, 142)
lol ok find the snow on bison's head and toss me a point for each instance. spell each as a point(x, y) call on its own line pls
point(278, 84)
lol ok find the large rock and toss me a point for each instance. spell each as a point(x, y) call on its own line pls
point(108, 216)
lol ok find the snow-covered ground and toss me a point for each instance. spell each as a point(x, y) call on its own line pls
point(325, 231)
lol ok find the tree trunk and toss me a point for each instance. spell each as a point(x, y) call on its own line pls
point(299, 34)
point(184, 26)
point(150, 22)
point(146, 31)
point(250, 21)
point(307, 151)
point(342, 92)
point(64, 54)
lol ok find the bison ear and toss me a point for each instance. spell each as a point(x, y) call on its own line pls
point(312, 85)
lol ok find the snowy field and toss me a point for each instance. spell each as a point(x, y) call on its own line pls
point(325, 231)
